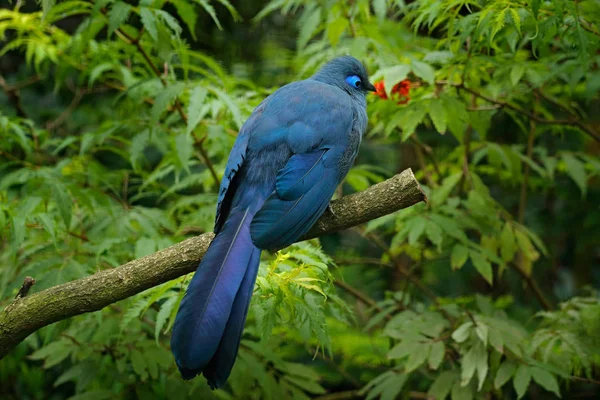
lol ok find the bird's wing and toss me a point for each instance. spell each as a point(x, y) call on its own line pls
point(234, 163)
point(303, 190)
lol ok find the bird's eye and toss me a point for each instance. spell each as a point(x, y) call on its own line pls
point(354, 80)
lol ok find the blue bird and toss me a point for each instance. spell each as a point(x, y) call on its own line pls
point(288, 159)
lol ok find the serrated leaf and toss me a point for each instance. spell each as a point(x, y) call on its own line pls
point(521, 380)
point(546, 380)
point(188, 14)
point(505, 372)
point(163, 100)
point(163, 314)
point(482, 265)
point(149, 21)
point(516, 19)
point(117, 15)
point(211, 11)
point(459, 256)
point(196, 111)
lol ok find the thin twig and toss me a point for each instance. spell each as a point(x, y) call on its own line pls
point(572, 122)
point(526, 170)
point(359, 295)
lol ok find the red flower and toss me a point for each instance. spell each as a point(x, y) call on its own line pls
point(380, 90)
point(400, 91)
point(403, 87)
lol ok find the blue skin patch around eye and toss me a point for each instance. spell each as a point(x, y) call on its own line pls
point(354, 81)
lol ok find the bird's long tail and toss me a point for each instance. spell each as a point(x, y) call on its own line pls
point(211, 317)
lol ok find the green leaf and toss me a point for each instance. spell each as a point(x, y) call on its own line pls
point(546, 380)
point(63, 202)
point(149, 21)
point(463, 332)
point(468, 366)
point(196, 110)
point(380, 8)
point(516, 19)
point(335, 28)
point(441, 387)
point(576, 170)
point(417, 227)
point(164, 99)
point(481, 364)
point(423, 71)
point(211, 11)
point(434, 234)
point(411, 120)
point(482, 265)
point(309, 27)
point(508, 246)
point(417, 357)
point(188, 14)
point(138, 363)
point(393, 75)
point(69, 375)
point(438, 115)
point(307, 385)
point(163, 314)
point(459, 256)
point(436, 355)
point(505, 372)
point(460, 392)
point(441, 193)
point(516, 73)
point(521, 380)
point(117, 15)
point(137, 147)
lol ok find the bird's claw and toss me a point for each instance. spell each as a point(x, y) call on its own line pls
point(330, 209)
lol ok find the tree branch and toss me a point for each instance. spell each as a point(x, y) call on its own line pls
point(26, 315)
point(503, 104)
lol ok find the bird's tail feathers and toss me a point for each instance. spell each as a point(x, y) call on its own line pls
point(211, 317)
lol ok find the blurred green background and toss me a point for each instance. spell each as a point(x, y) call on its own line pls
point(116, 120)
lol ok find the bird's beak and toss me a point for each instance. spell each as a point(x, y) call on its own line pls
point(370, 87)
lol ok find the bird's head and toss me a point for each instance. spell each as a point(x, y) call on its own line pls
point(348, 74)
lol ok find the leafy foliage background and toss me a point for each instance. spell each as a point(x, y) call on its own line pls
point(116, 119)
